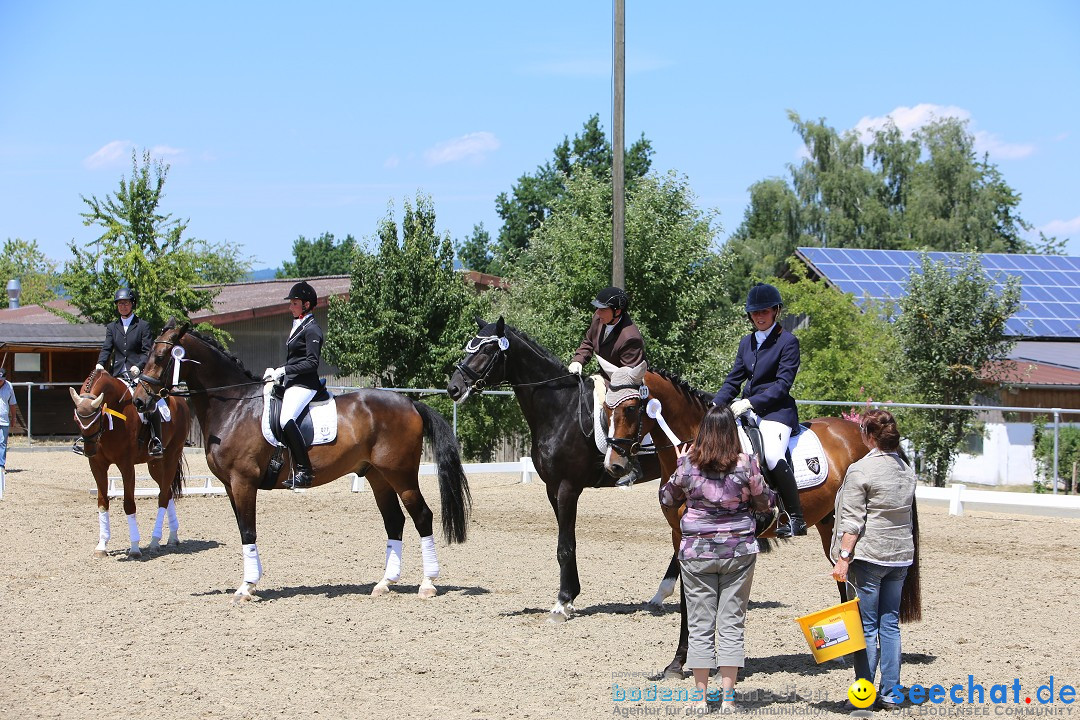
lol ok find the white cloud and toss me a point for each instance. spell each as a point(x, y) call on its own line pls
point(110, 155)
point(474, 146)
point(391, 162)
point(1061, 228)
point(990, 143)
point(164, 152)
point(910, 119)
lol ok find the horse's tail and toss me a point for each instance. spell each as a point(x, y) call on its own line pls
point(911, 595)
point(178, 478)
point(453, 486)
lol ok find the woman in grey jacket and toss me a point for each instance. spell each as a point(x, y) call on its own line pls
point(873, 542)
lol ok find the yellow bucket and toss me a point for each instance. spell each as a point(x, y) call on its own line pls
point(834, 631)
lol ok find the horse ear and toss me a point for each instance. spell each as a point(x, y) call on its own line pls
point(74, 395)
point(637, 373)
point(98, 401)
point(500, 326)
point(609, 368)
point(480, 322)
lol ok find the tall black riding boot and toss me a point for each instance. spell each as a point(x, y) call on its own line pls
point(302, 476)
point(789, 493)
point(155, 448)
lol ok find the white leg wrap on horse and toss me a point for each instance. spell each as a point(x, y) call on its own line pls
point(163, 410)
point(393, 561)
point(174, 524)
point(158, 522)
point(133, 530)
point(252, 564)
point(431, 560)
point(103, 529)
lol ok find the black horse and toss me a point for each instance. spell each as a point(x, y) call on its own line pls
point(558, 407)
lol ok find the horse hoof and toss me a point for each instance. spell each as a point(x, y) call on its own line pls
point(101, 553)
point(427, 590)
point(383, 588)
point(134, 554)
point(556, 618)
point(173, 542)
point(673, 673)
point(240, 599)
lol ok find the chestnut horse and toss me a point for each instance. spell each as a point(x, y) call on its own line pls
point(558, 407)
point(110, 428)
point(380, 435)
point(681, 408)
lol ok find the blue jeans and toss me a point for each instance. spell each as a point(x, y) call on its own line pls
point(4, 430)
point(879, 589)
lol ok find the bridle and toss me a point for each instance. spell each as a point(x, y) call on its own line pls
point(156, 387)
point(478, 379)
point(627, 446)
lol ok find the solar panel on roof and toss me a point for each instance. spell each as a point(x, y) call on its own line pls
point(1050, 284)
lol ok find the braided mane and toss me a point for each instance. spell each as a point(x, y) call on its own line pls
point(212, 342)
point(699, 397)
point(90, 381)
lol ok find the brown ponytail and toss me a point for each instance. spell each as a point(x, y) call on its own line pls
point(880, 426)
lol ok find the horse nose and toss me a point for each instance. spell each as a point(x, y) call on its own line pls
point(453, 391)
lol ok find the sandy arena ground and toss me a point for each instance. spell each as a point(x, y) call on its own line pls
point(157, 637)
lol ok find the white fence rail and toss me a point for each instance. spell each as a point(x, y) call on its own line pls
point(957, 497)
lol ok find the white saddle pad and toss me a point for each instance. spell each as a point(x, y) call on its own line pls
point(323, 419)
point(808, 459)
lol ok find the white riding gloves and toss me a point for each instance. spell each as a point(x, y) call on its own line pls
point(273, 374)
point(99, 366)
point(741, 406)
point(574, 367)
point(134, 370)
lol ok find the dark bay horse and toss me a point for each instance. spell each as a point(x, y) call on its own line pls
point(110, 428)
point(682, 408)
point(380, 436)
point(558, 407)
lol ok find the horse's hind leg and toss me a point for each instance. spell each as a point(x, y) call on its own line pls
point(422, 517)
point(164, 500)
point(101, 479)
point(394, 523)
point(128, 474)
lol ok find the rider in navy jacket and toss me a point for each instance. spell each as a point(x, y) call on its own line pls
point(765, 368)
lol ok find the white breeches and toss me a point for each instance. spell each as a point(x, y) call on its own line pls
point(293, 403)
point(774, 441)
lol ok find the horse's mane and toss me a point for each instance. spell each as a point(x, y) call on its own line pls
point(213, 343)
point(540, 349)
point(699, 397)
point(90, 381)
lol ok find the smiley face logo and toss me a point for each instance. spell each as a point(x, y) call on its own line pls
point(862, 693)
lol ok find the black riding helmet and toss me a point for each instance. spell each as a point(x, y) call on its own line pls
point(763, 297)
point(303, 292)
point(126, 294)
point(611, 297)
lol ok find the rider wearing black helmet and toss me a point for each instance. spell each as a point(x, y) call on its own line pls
point(128, 341)
point(613, 336)
point(299, 375)
point(768, 360)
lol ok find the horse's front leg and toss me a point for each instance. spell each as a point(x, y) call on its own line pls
point(128, 473)
point(242, 496)
point(101, 479)
point(565, 503)
point(165, 504)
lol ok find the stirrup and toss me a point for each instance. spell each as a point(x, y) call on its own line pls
point(155, 448)
point(626, 480)
point(796, 526)
point(77, 447)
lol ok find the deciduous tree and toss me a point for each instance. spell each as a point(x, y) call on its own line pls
point(319, 257)
point(36, 273)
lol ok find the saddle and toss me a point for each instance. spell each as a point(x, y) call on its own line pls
point(804, 455)
point(317, 422)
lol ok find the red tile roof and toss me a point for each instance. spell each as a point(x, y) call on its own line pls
point(1030, 374)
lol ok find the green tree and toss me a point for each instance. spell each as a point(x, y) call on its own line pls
point(1068, 451)
point(146, 250)
point(475, 251)
point(36, 273)
point(848, 351)
point(319, 257)
point(532, 199)
point(407, 313)
point(930, 191)
point(952, 337)
point(675, 275)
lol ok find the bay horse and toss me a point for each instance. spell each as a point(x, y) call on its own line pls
point(682, 409)
point(110, 427)
point(558, 408)
point(380, 435)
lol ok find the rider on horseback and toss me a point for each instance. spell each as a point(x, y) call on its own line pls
point(128, 341)
point(299, 375)
point(613, 336)
point(768, 360)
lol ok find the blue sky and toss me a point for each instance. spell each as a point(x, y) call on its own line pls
point(287, 119)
